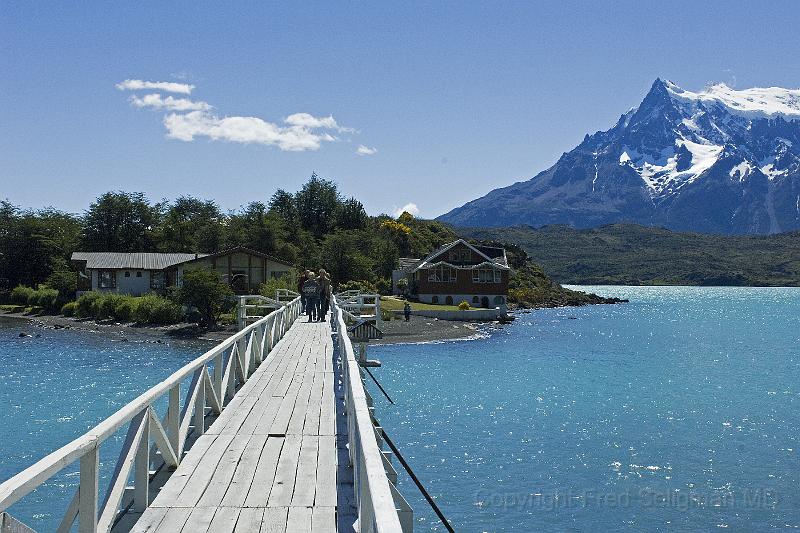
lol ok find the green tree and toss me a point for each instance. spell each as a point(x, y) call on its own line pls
point(255, 227)
point(204, 290)
point(191, 225)
point(317, 204)
point(351, 215)
point(344, 259)
point(34, 244)
point(121, 222)
point(283, 204)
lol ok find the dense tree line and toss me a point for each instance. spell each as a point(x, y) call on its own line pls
point(311, 228)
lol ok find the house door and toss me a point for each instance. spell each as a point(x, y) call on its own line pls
point(485, 302)
point(239, 282)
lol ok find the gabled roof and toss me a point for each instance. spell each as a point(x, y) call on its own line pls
point(499, 261)
point(140, 260)
point(241, 249)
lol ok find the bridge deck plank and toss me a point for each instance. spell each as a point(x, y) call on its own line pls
point(269, 461)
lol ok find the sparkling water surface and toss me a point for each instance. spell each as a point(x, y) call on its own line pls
point(59, 384)
point(677, 411)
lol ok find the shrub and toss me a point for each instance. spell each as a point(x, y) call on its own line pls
point(106, 305)
point(464, 305)
point(65, 282)
point(45, 298)
point(287, 281)
point(125, 309)
point(206, 292)
point(69, 308)
point(21, 294)
point(384, 286)
point(86, 305)
point(153, 309)
point(358, 285)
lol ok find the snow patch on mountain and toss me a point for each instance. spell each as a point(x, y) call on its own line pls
point(740, 171)
point(757, 102)
point(662, 174)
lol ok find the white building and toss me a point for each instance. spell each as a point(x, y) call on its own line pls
point(139, 273)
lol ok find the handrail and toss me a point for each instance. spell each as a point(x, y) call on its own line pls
point(377, 500)
point(234, 360)
point(356, 302)
point(265, 302)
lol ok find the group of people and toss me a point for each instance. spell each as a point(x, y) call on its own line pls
point(315, 294)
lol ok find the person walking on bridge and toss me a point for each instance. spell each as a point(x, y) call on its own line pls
point(301, 279)
point(324, 281)
point(311, 291)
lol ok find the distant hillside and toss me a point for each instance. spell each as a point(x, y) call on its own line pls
point(628, 254)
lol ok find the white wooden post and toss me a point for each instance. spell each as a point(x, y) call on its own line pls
point(141, 484)
point(174, 420)
point(378, 316)
point(219, 372)
point(200, 408)
point(87, 496)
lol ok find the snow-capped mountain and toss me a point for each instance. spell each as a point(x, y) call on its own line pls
point(717, 161)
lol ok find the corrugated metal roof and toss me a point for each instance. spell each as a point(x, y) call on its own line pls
point(407, 264)
point(141, 260)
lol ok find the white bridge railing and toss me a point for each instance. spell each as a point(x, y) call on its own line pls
point(381, 508)
point(355, 303)
point(215, 376)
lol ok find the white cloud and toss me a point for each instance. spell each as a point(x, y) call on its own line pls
point(168, 86)
point(306, 120)
point(366, 150)
point(410, 208)
point(246, 130)
point(156, 101)
point(188, 120)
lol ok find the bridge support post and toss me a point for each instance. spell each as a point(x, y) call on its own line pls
point(219, 371)
point(141, 494)
point(87, 492)
point(174, 420)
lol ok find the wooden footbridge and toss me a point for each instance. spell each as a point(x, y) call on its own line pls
point(272, 430)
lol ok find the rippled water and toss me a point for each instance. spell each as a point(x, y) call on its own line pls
point(56, 386)
point(676, 411)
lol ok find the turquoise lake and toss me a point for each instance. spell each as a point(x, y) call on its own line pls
point(676, 411)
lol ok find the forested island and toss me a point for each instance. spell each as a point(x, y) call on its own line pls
point(311, 228)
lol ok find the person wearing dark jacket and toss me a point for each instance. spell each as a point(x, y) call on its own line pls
point(324, 281)
point(301, 278)
point(311, 291)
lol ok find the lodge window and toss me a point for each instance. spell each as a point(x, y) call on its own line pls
point(127, 274)
point(157, 280)
point(460, 255)
point(138, 274)
point(486, 275)
point(106, 279)
point(278, 274)
point(442, 273)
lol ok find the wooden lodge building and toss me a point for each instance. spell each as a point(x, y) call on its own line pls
point(456, 272)
point(139, 273)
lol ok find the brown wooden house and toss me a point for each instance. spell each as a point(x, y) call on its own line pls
point(456, 272)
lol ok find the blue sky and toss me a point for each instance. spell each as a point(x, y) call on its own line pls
point(456, 98)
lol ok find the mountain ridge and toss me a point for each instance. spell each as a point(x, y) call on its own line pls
point(630, 254)
point(714, 161)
